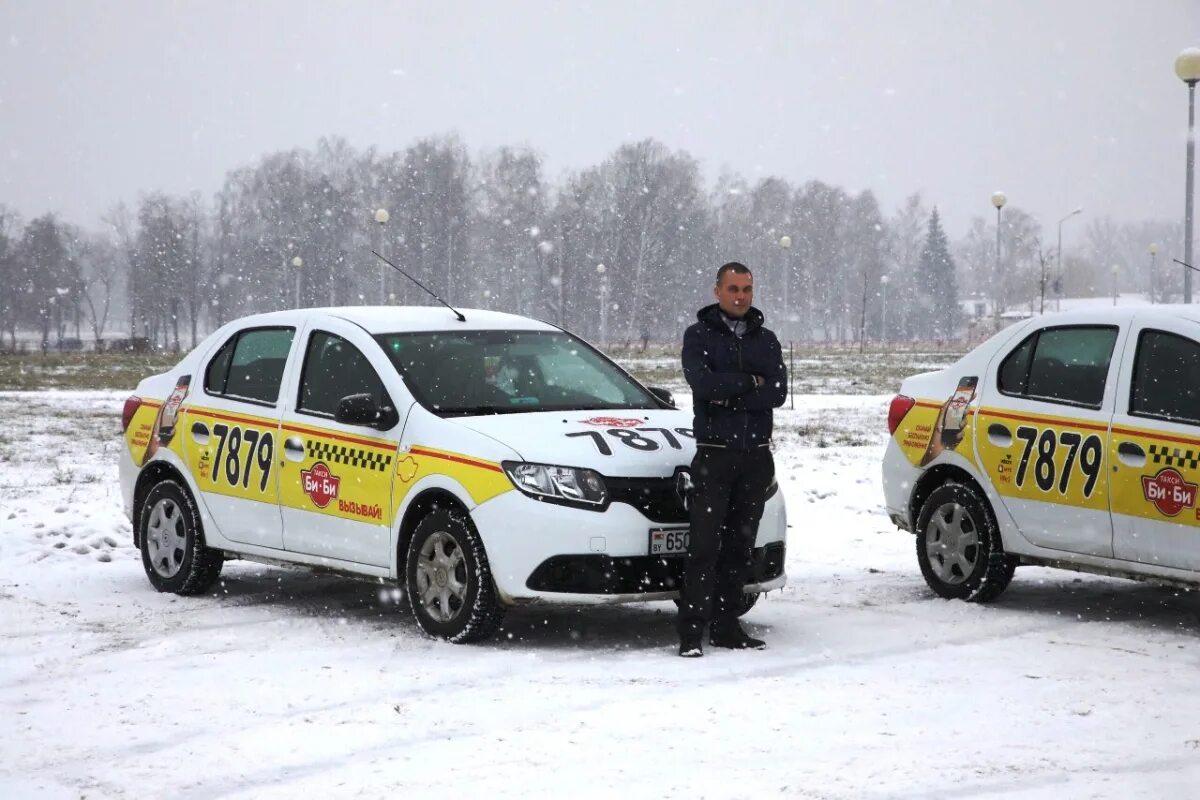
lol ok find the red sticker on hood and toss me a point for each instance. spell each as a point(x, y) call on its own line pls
point(613, 422)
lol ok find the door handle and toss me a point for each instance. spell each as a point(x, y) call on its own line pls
point(200, 433)
point(1131, 454)
point(293, 448)
point(999, 435)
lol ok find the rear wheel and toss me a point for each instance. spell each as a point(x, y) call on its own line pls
point(172, 540)
point(449, 581)
point(959, 547)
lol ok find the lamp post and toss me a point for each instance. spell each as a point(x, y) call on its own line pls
point(381, 217)
point(785, 242)
point(884, 280)
point(998, 200)
point(602, 271)
point(1058, 259)
point(1187, 67)
point(1153, 250)
point(1116, 269)
point(297, 263)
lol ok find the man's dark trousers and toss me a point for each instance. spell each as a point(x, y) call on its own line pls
point(730, 489)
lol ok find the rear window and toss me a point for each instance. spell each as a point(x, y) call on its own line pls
point(250, 365)
point(1066, 365)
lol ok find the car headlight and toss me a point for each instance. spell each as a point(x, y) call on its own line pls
point(569, 485)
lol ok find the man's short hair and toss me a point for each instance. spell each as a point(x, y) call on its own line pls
point(733, 266)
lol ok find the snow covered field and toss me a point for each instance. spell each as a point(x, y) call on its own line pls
point(287, 684)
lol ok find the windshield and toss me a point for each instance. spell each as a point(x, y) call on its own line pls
point(503, 372)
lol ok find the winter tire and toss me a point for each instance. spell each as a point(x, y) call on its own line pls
point(172, 540)
point(448, 581)
point(959, 547)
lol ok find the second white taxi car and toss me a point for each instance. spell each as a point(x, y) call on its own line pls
point(1070, 440)
point(480, 463)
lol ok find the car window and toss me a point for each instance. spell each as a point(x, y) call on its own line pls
point(1166, 378)
point(250, 365)
point(1014, 371)
point(333, 369)
point(218, 369)
point(1061, 365)
point(464, 373)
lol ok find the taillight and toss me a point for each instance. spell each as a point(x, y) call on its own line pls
point(132, 404)
point(896, 412)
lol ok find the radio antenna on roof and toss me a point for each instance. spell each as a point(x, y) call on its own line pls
point(457, 313)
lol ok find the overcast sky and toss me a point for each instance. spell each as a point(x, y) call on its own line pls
point(1060, 104)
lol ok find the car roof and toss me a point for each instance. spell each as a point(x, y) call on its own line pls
point(1118, 314)
point(403, 319)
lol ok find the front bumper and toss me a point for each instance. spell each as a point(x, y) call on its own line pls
point(552, 553)
point(609, 575)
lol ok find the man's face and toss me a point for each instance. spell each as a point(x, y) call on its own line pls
point(734, 294)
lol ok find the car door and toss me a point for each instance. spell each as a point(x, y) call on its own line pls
point(1155, 448)
point(1042, 434)
point(335, 485)
point(230, 433)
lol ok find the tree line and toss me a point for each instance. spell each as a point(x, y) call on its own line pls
point(620, 251)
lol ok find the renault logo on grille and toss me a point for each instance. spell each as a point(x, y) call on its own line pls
point(684, 487)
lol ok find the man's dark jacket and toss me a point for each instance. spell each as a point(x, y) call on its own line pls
point(731, 409)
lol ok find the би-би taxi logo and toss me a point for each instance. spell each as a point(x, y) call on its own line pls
point(320, 484)
point(1169, 492)
point(613, 422)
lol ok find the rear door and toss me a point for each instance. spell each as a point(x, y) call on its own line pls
point(1042, 434)
point(336, 479)
point(230, 433)
point(1155, 448)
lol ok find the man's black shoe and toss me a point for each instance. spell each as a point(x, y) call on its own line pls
point(691, 645)
point(734, 638)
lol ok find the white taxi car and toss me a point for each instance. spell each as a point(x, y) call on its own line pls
point(480, 464)
point(1070, 440)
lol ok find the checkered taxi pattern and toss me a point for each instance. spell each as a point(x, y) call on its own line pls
point(1174, 456)
point(348, 455)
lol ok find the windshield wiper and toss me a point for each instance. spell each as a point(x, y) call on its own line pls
point(479, 411)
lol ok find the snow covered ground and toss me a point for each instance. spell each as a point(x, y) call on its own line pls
point(287, 684)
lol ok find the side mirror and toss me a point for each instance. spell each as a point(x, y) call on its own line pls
point(360, 409)
point(662, 394)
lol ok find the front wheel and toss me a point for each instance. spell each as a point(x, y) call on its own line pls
point(448, 579)
point(959, 547)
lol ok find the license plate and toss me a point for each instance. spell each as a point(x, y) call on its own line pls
point(668, 541)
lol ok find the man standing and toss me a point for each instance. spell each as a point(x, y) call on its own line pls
point(735, 368)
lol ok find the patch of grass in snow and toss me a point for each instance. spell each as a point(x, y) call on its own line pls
point(34, 371)
point(815, 370)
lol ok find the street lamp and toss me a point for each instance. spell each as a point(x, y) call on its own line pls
point(381, 216)
point(998, 200)
point(1187, 67)
point(602, 271)
point(786, 243)
point(1116, 269)
point(1153, 250)
point(1058, 259)
point(297, 263)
